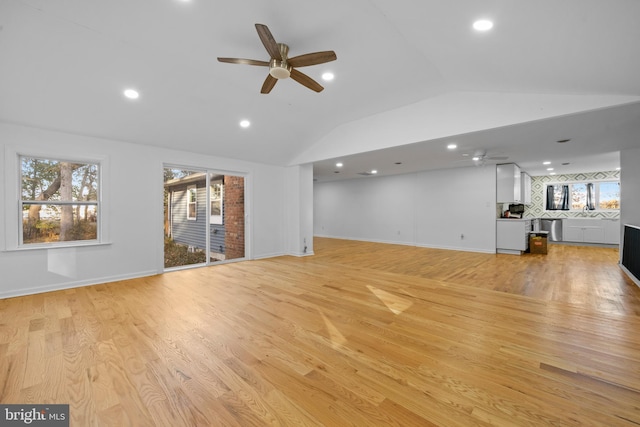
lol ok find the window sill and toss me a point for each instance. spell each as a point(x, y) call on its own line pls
point(35, 247)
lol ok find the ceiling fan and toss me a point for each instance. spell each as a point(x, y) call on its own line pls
point(280, 65)
point(480, 157)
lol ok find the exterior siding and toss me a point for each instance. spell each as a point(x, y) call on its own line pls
point(192, 232)
point(217, 239)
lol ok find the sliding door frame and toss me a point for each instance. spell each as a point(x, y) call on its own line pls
point(247, 207)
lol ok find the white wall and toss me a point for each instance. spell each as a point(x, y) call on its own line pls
point(629, 193)
point(134, 192)
point(300, 210)
point(449, 114)
point(629, 189)
point(630, 186)
point(431, 209)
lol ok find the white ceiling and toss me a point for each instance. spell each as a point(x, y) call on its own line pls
point(409, 76)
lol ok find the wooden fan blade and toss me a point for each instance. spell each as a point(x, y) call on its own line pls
point(244, 61)
point(268, 84)
point(268, 41)
point(312, 58)
point(305, 80)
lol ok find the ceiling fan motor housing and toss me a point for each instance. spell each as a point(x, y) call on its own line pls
point(280, 69)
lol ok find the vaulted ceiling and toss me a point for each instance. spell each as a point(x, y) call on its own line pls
point(412, 76)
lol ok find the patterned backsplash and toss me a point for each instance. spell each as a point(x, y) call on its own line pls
point(538, 195)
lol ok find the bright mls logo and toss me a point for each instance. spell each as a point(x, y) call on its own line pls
point(34, 415)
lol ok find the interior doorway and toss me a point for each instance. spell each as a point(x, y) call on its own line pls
point(204, 214)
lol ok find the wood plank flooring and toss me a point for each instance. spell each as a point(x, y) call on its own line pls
point(361, 334)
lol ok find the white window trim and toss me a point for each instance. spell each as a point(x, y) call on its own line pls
point(597, 194)
point(13, 217)
point(189, 202)
point(217, 219)
point(570, 183)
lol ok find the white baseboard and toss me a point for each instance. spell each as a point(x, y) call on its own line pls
point(631, 276)
point(77, 284)
point(420, 245)
point(272, 255)
point(301, 254)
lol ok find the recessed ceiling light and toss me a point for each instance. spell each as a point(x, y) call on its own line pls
point(552, 173)
point(338, 165)
point(483, 25)
point(475, 158)
point(452, 146)
point(618, 168)
point(549, 169)
point(131, 94)
point(546, 163)
point(328, 76)
point(374, 171)
point(245, 123)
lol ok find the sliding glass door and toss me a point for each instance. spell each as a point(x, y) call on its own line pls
point(204, 215)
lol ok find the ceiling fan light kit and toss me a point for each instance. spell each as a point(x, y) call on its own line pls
point(280, 65)
point(279, 69)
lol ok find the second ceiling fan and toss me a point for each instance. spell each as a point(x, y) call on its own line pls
point(280, 65)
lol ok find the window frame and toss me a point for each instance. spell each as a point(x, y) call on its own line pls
point(216, 219)
point(13, 240)
point(598, 193)
point(571, 184)
point(192, 190)
point(61, 203)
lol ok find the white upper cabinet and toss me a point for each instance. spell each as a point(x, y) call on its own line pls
point(508, 183)
point(525, 188)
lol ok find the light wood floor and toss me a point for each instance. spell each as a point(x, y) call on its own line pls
point(359, 334)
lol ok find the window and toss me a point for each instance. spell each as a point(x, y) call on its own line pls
point(215, 196)
point(192, 202)
point(581, 196)
point(557, 197)
point(609, 195)
point(59, 201)
point(578, 196)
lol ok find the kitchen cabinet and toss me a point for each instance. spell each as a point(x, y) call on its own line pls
point(525, 188)
point(512, 236)
point(611, 231)
point(591, 230)
point(508, 183)
point(581, 233)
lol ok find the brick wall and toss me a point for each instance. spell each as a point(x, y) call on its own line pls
point(234, 216)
